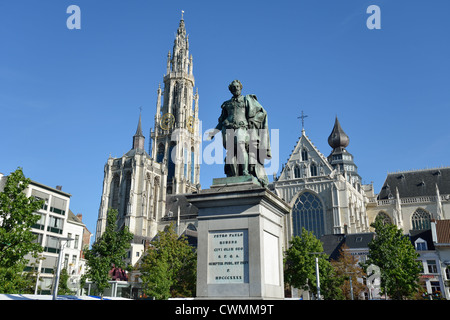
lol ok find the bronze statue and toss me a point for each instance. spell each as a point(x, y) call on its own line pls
point(244, 127)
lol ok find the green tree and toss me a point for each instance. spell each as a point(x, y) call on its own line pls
point(300, 267)
point(16, 238)
point(63, 285)
point(169, 266)
point(396, 257)
point(108, 251)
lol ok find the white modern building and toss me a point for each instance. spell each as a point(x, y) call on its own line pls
point(56, 222)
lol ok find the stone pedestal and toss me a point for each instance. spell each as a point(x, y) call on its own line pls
point(240, 235)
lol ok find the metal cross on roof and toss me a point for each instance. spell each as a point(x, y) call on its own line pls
point(303, 116)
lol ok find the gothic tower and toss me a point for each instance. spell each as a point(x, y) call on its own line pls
point(176, 140)
point(140, 184)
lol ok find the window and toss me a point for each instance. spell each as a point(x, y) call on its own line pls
point(160, 153)
point(432, 267)
point(66, 261)
point(52, 245)
point(313, 169)
point(58, 205)
point(297, 172)
point(171, 167)
point(420, 220)
point(435, 287)
point(77, 238)
point(127, 193)
point(385, 217)
point(40, 223)
point(69, 243)
point(39, 195)
point(39, 238)
point(115, 192)
point(304, 155)
point(421, 245)
point(308, 213)
point(55, 225)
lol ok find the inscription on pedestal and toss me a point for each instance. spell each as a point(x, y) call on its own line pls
point(228, 256)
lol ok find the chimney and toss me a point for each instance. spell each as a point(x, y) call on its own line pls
point(59, 188)
point(80, 216)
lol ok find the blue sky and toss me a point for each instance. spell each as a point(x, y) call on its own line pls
point(70, 98)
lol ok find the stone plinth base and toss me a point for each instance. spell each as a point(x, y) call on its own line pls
point(240, 235)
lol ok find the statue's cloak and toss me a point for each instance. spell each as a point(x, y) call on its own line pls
point(258, 121)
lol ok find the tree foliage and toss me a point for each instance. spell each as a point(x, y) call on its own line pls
point(300, 266)
point(169, 267)
point(108, 251)
point(16, 238)
point(396, 257)
point(63, 285)
point(346, 267)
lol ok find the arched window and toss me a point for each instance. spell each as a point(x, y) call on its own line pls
point(313, 169)
point(304, 155)
point(115, 192)
point(384, 216)
point(420, 220)
point(308, 213)
point(160, 153)
point(127, 193)
point(171, 167)
point(297, 171)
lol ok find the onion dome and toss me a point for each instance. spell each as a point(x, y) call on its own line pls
point(338, 138)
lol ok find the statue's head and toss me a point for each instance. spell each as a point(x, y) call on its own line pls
point(235, 87)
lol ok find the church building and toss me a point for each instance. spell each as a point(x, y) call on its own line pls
point(144, 187)
point(325, 193)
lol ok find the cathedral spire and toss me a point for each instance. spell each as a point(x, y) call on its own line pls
point(180, 57)
point(138, 138)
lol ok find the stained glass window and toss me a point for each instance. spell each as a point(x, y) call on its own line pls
point(420, 220)
point(308, 213)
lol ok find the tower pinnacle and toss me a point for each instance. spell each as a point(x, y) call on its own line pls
point(138, 138)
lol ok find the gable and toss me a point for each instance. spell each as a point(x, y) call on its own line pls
point(303, 157)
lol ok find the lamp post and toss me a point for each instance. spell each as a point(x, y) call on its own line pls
point(58, 266)
point(350, 280)
point(317, 272)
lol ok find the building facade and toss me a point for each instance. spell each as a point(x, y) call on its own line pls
point(325, 193)
point(411, 199)
point(56, 223)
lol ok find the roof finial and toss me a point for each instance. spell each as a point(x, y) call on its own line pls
point(182, 13)
point(303, 116)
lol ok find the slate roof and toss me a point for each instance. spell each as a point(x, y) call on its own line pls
point(416, 183)
point(333, 242)
point(422, 234)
